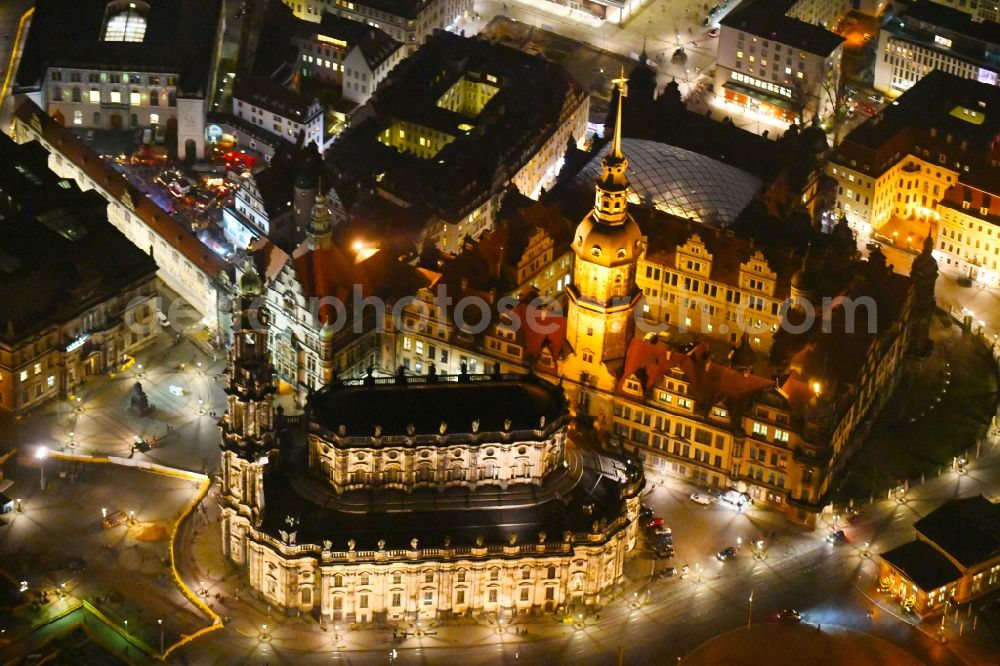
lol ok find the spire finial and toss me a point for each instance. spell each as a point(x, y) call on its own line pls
point(616, 141)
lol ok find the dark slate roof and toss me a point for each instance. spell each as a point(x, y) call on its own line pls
point(376, 45)
point(922, 118)
point(180, 37)
point(534, 95)
point(176, 233)
point(596, 496)
point(919, 20)
point(274, 97)
point(967, 529)
point(59, 255)
point(766, 18)
point(923, 564)
point(425, 405)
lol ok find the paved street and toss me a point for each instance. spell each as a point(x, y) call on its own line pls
point(652, 616)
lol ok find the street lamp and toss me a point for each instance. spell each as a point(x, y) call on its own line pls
point(750, 610)
point(104, 512)
point(42, 453)
point(131, 517)
point(160, 622)
point(263, 631)
point(72, 444)
point(19, 509)
point(139, 370)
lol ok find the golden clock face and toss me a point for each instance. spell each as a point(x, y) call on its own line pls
point(615, 326)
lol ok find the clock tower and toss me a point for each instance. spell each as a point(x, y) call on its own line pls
point(603, 296)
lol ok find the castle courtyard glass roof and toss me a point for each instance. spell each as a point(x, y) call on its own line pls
point(682, 183)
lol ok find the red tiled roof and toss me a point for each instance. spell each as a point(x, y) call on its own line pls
point(956, 195)
point(536, 340)
point(173, 231)
point(710, 382)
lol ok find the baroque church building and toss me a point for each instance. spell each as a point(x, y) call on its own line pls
point(417, 498)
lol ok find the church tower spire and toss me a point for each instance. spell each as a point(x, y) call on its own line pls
point(248, 426)
point(603, 295)
point(249, 419)
point(320, 226)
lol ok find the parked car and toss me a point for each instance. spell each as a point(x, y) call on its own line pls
point(878, 99)
point(699, 498)
point(873, 245)
point(667, 572)
point(965, 281)
point(664, 530)
point(664, 552)
point(789, 615)
point(726, 554)
point(654, 522)
point(645, 512)
point(836, 537)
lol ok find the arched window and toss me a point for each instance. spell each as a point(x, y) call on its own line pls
point(125, 21)
point(307, 596)
point(97, 118)
point(154, 97)
point(56, 94)
point(171, 99)
point(76, 94)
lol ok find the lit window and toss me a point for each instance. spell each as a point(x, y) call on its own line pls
point(95, 96)
point(799, 74)
point(78, 117)
point(126, 21)
point(402, 134)
point(51, 381)
point(116, 97)
point(407, 343)
point(154, 119)
point(38, 368)
point(24, 375)
point(133, 98)
point(759, 428)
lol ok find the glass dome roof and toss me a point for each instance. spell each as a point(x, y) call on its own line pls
point(681, 182)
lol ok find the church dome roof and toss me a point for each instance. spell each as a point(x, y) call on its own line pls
point(607, 244)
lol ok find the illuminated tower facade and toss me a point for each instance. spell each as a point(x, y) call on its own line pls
point(603, 296)
point(248, 428)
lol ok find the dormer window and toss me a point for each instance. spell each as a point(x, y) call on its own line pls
point(125, 21)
